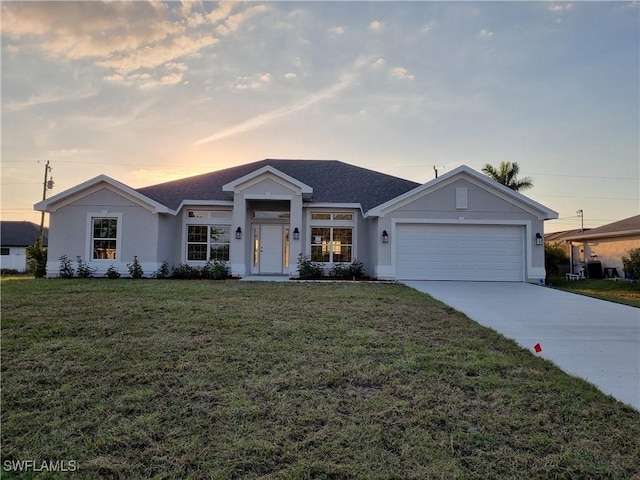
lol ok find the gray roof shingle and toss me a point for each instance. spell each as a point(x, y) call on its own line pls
point(631, 224)
point(20, 233)
point(332, 181)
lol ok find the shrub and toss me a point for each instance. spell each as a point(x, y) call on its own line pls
point(347, 270)
point(84, 270)
point(631, 263)
point(184, 271)
point(214, 270)
point(163, 271)
point(308, 269)
point(554, 256)
point(66, 269)
point(112, 273)
point(135, 269)
point(37, 259)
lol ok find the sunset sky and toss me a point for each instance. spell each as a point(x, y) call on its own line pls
point(149, 92)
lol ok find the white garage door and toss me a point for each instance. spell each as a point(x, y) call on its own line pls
point(460, 252)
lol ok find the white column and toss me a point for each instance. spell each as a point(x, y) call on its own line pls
point(237, 253)
point(295, 246)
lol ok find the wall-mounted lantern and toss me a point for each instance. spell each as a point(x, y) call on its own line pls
point(238, 233)
point(296, 234)
point(539, 239)
point(385, 237)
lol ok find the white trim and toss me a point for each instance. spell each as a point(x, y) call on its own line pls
point(476, 178)
point(95, 184)
point(88, 250)
point(262, 173)
point(267, 196)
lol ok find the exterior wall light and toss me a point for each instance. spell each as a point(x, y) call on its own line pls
point(296, 234)
point(238, 233)
point(385, 237)
point(539, 239)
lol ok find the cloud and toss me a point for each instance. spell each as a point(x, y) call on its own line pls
point(133, 40)
point(290, 75)
point(233, 22)
point(484, 33)
point(336, 31)
point(379, 62)
point(559, 7)
point(401, 73)
point(250, 83)
point(153, 56)
point(49, 97)
point(375, 26)
point(260, 120)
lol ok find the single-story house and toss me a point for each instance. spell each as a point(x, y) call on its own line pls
point(260, 217)
point(15, 237)
point(606, 244)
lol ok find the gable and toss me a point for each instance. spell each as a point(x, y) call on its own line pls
point(268, 180)
point(98, 184)
point(464, 189)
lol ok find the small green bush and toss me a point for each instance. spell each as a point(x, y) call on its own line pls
point(214, 270)
point(184, 271)
point(631, 263)
point(112, 273)
point(83, 269)
point(135, 269)
point(308, 269)
point(66, 268)
point(37, 259)
point(163, 271)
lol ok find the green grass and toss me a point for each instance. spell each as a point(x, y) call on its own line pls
point(620, 291)
point(199, 379)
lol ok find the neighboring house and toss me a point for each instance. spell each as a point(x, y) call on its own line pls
point(261, 216)
point(608, 243)
point(15, 237)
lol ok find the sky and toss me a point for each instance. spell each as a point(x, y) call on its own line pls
point(150, 92)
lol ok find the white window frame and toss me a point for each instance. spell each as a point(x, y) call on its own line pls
point(88, 256)
point(331, 224)
point(217, 217)
point(208, 242)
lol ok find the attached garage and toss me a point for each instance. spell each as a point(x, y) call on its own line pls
point(482, 252)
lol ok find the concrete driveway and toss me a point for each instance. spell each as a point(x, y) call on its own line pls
point(596, 340)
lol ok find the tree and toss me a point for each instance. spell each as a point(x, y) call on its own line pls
point(507, 174)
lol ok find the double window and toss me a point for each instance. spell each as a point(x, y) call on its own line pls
point(208, 242)
point(331, 237)
point(331, 244)
point(104, 238)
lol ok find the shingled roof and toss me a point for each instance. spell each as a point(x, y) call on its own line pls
point(20, 234)
point(624, 227)
point(332, 182)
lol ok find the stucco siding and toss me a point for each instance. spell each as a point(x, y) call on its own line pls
point(267, 186)
point(70, 230)
point(609, 250)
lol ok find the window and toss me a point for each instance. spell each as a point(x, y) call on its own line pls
point(4, 251)
point(331, 216)
point(208, 242)
point(331, 244)
point(104, 233)
point(270, 215)
point(209, 213)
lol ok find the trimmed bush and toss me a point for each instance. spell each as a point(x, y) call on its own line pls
point(631, 263)
point(308, 269)
point(66, 268)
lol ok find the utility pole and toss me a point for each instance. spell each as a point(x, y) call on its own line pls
point(581, 215)
point(46, 185)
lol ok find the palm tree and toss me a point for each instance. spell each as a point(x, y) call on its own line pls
point(507, 174)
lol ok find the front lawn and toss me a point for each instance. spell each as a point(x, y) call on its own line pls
point(620, 291)
point(173, 379)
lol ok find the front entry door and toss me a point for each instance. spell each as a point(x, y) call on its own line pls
point(271, 249)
